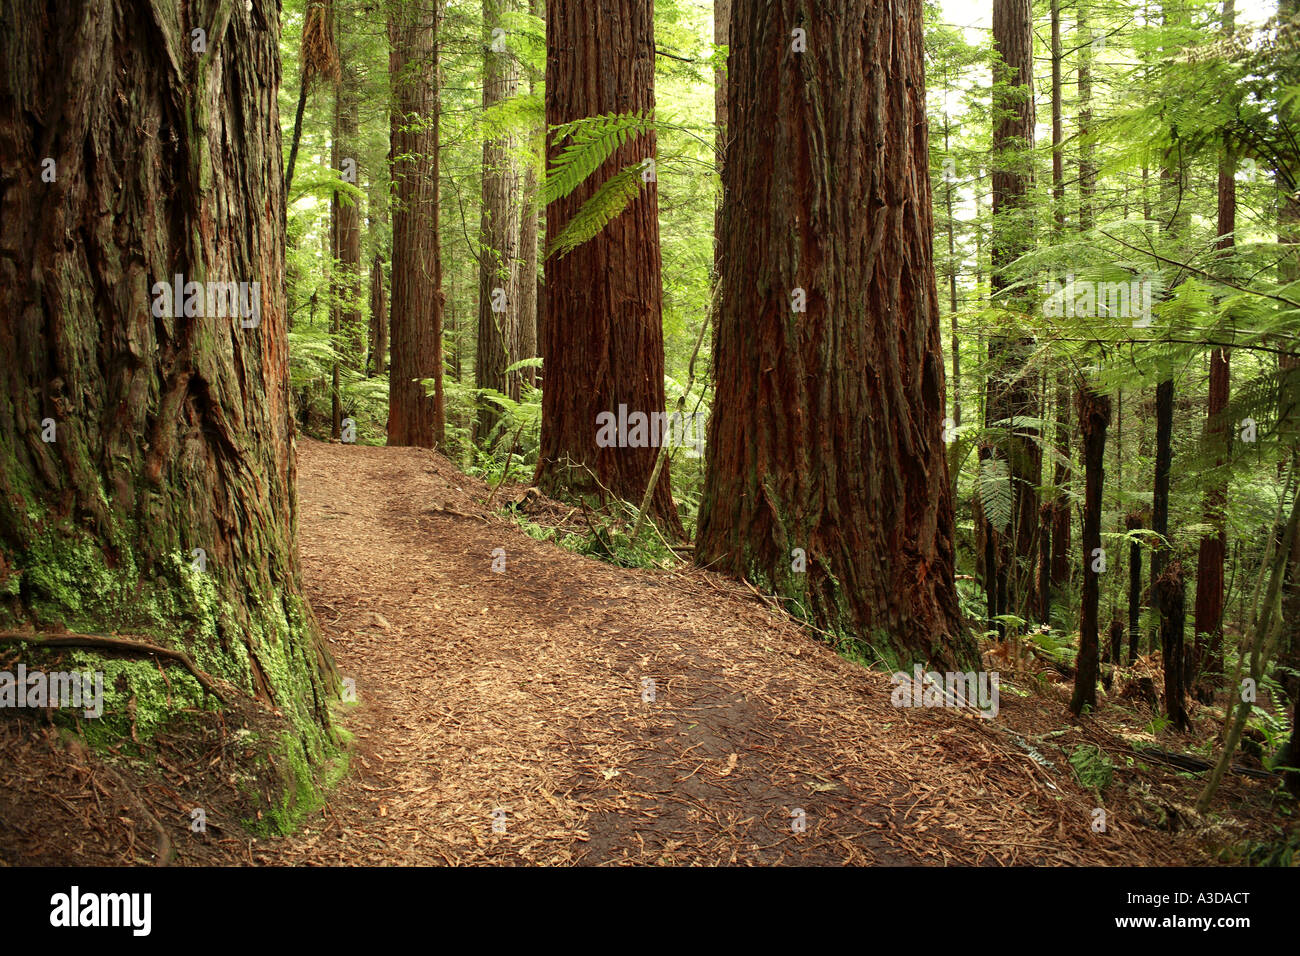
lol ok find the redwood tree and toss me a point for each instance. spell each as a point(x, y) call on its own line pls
point(1010, 551)
point(602, 329)
point(498, 305)
point(721, 37)
point(131, 436)
point(1133, 522)
point(415, 417)
point(1058, 511)
point(825, 441)
point(1207, 656)
point(345, 214)
point(378, 317)
point(1094, 418)
point(527, 286)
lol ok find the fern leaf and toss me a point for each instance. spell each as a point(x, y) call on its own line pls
point(613, 196)
point(591, 141)
point(995, 492)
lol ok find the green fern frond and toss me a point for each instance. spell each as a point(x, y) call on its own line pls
point(613, 196)
point(591, 141)
point(994, 490)
point(534, 362)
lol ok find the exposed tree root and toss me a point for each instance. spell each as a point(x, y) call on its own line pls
point(130, 645)
point(163, 852)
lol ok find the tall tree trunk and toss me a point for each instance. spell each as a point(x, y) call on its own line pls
point(346, 209)
point(1061, 477)
point(336, 396)
point(1045, 513)
point(1058, 156)
point(1094, 417)
point(1170, 595)
point(378, 318)
point(527, 285)
point(1087, 157)
point(133, 432)
point(1133, 522)
point(1011, 551)
point(1160, 488)
point(1208, 627)
point(1288, 271)
point(336, 404)
point(721, 37)
point(453, 328)
point(414, 416)
point(825, 442)
point(954, 391)
point(602, 341)
point(978, 176)
point(345, 218)
point(1050, 512)
point(1175, 213)
point(498, 308)
point(1207, 656)
point(1060, 508)
point(304, 84)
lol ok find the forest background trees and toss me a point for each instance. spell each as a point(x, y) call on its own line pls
point(994, 325)
point(1110, 185)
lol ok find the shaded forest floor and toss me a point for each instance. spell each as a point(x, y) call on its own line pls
point(500, 719)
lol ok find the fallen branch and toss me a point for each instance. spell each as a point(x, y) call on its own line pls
point(664, 442)
point(1196, 764)
point(117, 644)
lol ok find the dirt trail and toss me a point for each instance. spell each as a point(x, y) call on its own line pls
point(512, 701)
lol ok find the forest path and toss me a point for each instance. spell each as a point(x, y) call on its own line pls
point(514, 699)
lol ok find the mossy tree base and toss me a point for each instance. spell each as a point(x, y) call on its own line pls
point(129, 439)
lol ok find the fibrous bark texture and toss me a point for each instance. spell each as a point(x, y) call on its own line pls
point(825, 447)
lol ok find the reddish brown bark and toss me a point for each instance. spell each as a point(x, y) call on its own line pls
point(826, 429)
point(1132, 522)
point(602, 339)
point(378, 317)
point(527, 285)
point(415, 417)
point(171, 432)
point(346, 210)
point(1060, 531)
point(1053, 551)
point(721, 37)
point(527, 288)
point(1207, 656)
point(1011, 551)
point(498, 305)
point(1094, 417)
point(1170, 592)
point(1208, 626)
point(1160, 551)
point(345, 226)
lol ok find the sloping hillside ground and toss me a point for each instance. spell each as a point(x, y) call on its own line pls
point(562, 710)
